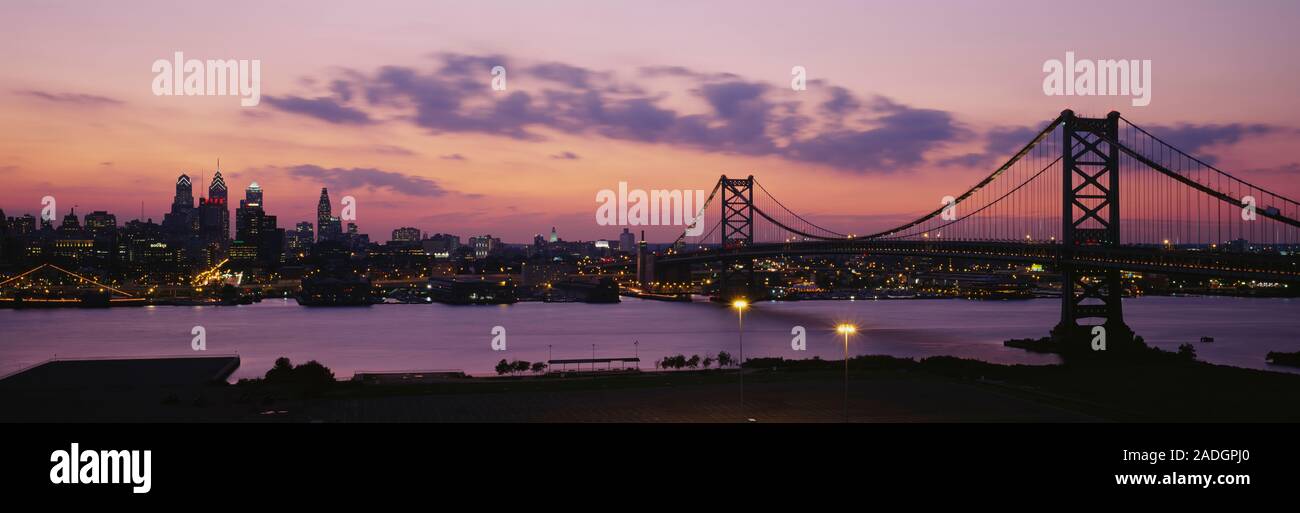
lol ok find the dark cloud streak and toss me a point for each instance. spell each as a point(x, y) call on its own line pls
point(88, 100)
point(371, 178)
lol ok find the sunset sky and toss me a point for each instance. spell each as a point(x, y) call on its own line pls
point(390, 102)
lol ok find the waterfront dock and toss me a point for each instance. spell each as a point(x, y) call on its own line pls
point(123, 372)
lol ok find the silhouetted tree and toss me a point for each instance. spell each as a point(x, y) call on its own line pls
point(707, 361)
point(504, 367)
point(538, 367)
point(282, 372)
point(1187, 352)
point(311, 375)
point(521, 365)
point(693, 362)
point(724, 359)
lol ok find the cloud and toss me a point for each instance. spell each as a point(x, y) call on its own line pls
point(88, 100)
point(900, 139)
point(453, 156)
point(106, 164)
point(567, 155)
point(840, 103)
point(371, 178)
point(572, 76)
point(1189, 136)
point(1193, 138)
point(999, 145)
point(388, 149)
point(1289, 168)
point(326, 109)
point(683, 72)
point(729, 114)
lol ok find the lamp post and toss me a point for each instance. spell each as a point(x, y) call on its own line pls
point(846, 330)
point(740, 305)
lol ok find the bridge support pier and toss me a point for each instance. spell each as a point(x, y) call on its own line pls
point(1090, 217)
point(736, 279)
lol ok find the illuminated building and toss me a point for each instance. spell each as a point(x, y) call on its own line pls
point(217, 198)
point(257, 238)
point(299, 240)
point(328, 227)
point(182, 223)
point(627, 241)
point(484, 245)
point(406, 234)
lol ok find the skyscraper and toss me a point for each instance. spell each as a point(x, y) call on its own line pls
point(323, 216)
point(248, 225)
point(248, 218)
point(217, 198)
point(181, 223)
point(253, 195)
point(258, 239)
point(184, 199)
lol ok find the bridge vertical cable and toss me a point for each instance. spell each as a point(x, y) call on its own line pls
point(1175, 200)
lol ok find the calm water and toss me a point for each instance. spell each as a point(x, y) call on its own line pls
point(422, 337)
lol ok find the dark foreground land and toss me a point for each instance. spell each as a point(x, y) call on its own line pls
point(881, 389)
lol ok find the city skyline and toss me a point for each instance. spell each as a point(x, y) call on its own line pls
point(324, 207)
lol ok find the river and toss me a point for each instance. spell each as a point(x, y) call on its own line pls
point(427, 337)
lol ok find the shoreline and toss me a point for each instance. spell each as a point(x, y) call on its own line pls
point(881, 388)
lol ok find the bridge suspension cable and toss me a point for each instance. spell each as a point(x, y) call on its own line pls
point(1164, 197)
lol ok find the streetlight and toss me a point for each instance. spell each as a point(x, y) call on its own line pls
point(740, 305)
point(846, 329)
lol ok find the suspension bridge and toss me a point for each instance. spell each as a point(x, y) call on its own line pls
point(1090, 196)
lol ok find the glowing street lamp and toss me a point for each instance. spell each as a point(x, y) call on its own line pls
point(846, 330)
point(740, 305)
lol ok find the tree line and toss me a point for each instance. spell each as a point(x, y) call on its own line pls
point(678, 362)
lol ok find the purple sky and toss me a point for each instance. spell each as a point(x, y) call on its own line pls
point(390, 102)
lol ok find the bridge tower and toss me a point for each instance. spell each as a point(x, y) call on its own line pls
point(737, 277)
point(1090, 217)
